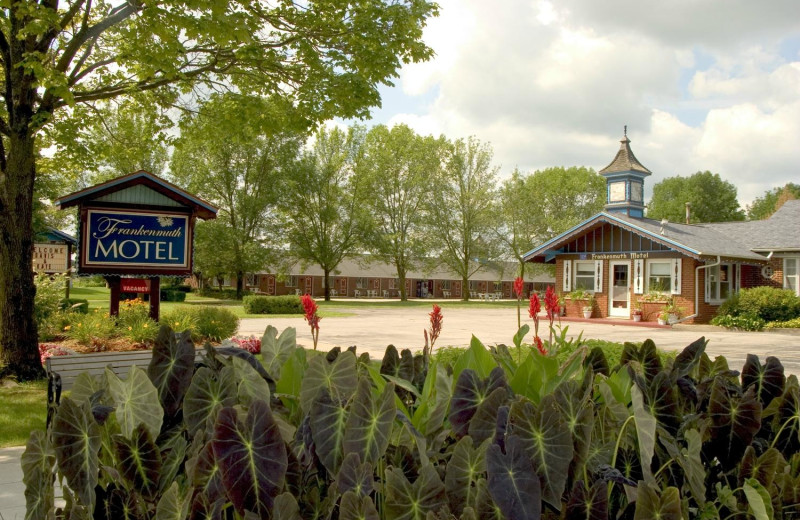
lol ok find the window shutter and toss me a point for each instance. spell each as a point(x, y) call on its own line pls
point(737, 277)
point(676, 275)
point(638, 276)
point(567, 276)
point(598, 276)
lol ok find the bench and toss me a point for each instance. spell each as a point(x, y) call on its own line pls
point(69, 367)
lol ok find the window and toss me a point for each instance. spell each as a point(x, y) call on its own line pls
point(473, 285)
point(445, 285)
point(719, 282)
point(498, 286)
point(361, 283)
point(659, 276)
point(791, 274)
point(584, 276)
point(291, 281)
point(394, 283)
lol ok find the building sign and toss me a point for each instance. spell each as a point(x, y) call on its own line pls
point(124, 238)
point(619, 256)
point(134, 285)
point(50, 258)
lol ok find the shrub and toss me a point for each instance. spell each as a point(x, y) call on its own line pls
point(790, 324)
point(290, 304)
point(224, 294)
point(49, 293)
point(140, 330)
point(180, 318)
point(215, 323)
point(172, 295)
point(90, 281)
point(767, 303)
point(91, 329)
point(79, 305)
point(738, 322)
point(133, 311)
point(693, 440)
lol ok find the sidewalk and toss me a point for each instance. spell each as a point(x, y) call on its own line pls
point(12, 490)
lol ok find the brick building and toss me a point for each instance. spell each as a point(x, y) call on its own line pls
point(630, 262)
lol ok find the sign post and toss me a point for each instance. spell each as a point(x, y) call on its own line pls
point(136, 225)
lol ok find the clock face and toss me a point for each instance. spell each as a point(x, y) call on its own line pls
point(616, 192)
point(636, 191)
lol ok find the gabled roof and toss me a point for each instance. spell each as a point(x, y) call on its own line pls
point(780, 232)
point(134, 181)
point(697, 241)
point(625, 161)
point(54, 235)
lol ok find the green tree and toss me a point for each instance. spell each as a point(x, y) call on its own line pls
point(239, 174)
point(323, 201)
point(327, 58)
point(399, 167)
point(764, 206)
point(461, 210)
point(539, 206)
point(712, 199)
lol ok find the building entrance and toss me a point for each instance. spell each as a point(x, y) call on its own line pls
point(619, 293)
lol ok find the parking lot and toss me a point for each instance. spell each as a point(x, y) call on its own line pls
point(371, 329)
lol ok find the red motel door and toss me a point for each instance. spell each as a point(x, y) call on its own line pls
point(309, 285)
point(270, 284)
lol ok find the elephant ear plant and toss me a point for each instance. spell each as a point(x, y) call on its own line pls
point(297, 434)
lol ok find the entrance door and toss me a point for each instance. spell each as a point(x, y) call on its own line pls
point(619, 293)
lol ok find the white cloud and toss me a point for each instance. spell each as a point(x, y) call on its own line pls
point(702, 85)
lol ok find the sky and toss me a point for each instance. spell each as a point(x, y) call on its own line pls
point(700, 84)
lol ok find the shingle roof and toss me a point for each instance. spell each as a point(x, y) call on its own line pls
point(360, 267)
point(625, 161)
point(780, 232)
point(692, 240)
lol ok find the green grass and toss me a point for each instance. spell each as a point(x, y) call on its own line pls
point(99, 299)
point(23, 409)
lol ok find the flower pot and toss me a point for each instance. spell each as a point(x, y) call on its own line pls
point(637, 317)
point(587, 312)
point(662, 321)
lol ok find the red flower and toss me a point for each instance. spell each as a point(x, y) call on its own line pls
point(539, 345)
point(551, 304)
point(436, 323)
point(518, 286)
point(311, 316)
point(535, 307)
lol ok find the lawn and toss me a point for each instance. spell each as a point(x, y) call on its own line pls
point(98, 297)
point(23, 408)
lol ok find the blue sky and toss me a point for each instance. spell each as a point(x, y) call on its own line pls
point(701, 84)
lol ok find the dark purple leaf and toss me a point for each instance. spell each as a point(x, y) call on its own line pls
point(171, 368)
point(251, 457)
point(513, 484)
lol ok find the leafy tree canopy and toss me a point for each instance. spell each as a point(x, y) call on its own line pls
point(767, 204)
point(712, 199)
point(326, 58)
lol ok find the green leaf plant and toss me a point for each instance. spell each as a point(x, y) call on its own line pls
point(301, 434)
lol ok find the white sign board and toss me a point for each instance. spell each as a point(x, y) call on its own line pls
point(50, 258)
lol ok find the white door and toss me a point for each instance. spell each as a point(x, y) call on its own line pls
point(619, 293)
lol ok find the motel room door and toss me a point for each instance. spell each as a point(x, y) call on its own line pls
point(619, 293)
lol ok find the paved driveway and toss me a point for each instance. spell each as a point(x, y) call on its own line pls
point(372, 329)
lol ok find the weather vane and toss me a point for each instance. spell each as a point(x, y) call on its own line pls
point(625, 130)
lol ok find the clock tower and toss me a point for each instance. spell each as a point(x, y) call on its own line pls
point(625, 182)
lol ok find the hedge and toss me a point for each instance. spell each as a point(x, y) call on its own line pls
point(289, 304)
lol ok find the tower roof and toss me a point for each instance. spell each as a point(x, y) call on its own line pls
point(625, 161)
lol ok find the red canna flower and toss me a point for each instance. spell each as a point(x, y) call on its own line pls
point(436, 324)
point(518, 286)
point(534, 308)
point(311, 316)
point(551, 304)
point(539, 345)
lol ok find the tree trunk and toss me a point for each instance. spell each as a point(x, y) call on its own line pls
point(401, 278)
point(19, 342)
point(465, 288)
point(239, 284)
point(327, 284)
